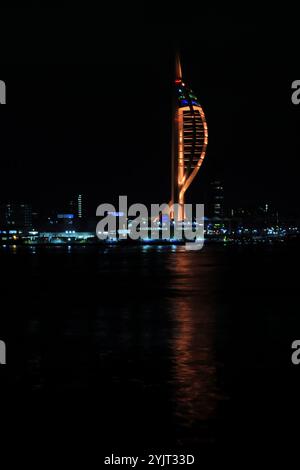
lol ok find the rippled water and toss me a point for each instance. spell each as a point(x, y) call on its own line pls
point(153, 346)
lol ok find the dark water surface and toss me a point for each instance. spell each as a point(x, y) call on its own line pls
point(150, 348)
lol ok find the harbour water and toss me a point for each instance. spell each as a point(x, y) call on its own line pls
point(150, 347)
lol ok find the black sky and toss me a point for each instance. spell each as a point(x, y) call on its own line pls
point(89, 102)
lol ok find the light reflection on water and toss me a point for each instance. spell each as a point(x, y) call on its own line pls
point(140, 321)
point(193, 307)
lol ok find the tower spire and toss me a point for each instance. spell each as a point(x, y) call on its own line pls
point(178, 72)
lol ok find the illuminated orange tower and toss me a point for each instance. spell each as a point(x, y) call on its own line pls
point(190, 137)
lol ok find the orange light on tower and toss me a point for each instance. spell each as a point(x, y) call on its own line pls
point(190, 138)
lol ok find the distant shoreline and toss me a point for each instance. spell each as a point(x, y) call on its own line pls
point(207, 241)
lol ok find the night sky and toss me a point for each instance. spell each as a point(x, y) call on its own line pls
point(89, 103)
